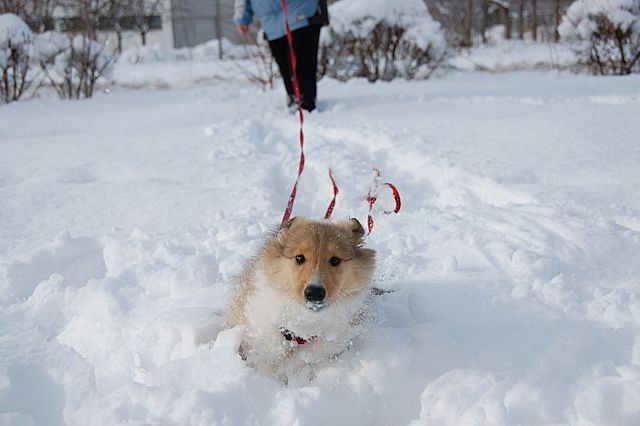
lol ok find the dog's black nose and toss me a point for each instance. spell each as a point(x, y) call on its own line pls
point(315, 293)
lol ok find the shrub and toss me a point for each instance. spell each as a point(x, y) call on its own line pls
point(72, 64)
point(605, 34)
point(15, 61)
point(258, 65)
point(380, 39)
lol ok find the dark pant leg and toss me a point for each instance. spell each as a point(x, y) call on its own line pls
point(280, 52)
point(305, 45)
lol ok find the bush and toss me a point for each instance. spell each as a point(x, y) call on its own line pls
point(605, 34)
point(258, 66)
point(15, 61)
point(72, 64)
point(380, 39)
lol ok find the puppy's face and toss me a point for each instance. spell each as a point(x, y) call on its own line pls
point(319, 263)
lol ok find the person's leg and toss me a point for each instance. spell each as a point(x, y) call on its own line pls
point(280, 52)
point(305, 44)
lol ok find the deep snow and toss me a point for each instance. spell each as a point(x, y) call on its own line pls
point(515, 259)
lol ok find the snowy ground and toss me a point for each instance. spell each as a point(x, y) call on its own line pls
point(513, 55)
point(515, 260)
point(163, 68)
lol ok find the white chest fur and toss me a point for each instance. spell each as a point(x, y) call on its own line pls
point(328, 331)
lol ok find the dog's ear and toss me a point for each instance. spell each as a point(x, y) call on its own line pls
point(284, 228)
point(354, 229)
point(288, 223)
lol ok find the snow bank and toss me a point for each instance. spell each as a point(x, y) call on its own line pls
point(139, 66)
point(204, 52)
point(511, 55)
point(511, 270)
point(14, 32)
point(606, 34)
point(15, 38)
point(49, 44)
point(361, 16)
point(381, 40)
point(579, 22)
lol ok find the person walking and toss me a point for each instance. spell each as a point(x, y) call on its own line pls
point(306, 18)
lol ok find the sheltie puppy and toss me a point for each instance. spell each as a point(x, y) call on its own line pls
point(305, 296)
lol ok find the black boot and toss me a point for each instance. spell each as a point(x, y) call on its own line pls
point(309, 105)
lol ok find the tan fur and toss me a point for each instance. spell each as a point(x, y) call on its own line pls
point(318, 242)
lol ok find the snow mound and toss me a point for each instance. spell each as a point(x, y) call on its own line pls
point(605, 34)
point(361, 16)
point(208, 51)
point(49, 44)
point(14, 34)
point(510, 55)
point(510, 276)
point(579, 22)
point(14, 31)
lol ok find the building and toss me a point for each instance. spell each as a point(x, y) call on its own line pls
point(124, 24)
point(197, 21)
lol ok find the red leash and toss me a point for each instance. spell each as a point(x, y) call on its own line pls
point(332, 204)
point(296, 90)
point(372, 196)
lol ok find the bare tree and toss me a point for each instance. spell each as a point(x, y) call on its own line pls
point(36, 13)
point(484, 22)
point(558, 18)
point(13, 77)
point(14, 67)
point(505, 11)
point(218, 23)
point(448, 14)
point(261, 67)
point(74, 67)
point(88, 13)
point(534, 20)
point(610, 47)
point(468, 26)
point(521, 19)
point(143, 12)
point(384, 53)
point(118, 10)
point(13, 6)
point(461, 20)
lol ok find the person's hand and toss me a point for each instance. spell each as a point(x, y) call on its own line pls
point(242, 29)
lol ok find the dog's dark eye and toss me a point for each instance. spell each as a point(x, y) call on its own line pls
point(334, 261)
point(300, 259)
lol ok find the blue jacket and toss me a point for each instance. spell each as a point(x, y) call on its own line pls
point(271, 17)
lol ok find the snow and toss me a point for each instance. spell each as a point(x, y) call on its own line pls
point(49, 44)
point(65, 55)
point(579, 23)
point(140, 67)
point(501, 55)
point(359, 17)
point(161, 67)
point(13, 31)
point(512, 267)
point(203, 52)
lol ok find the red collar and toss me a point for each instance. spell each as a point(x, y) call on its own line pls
point(290, 336)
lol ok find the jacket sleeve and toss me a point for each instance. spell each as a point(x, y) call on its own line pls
point(242, 14)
